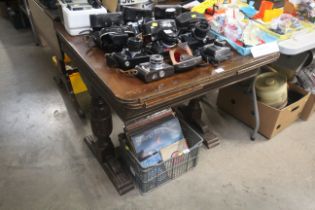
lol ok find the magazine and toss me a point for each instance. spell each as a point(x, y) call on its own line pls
point(150, 141)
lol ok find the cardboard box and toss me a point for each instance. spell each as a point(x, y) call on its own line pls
point(235, 101)
point(309, 108)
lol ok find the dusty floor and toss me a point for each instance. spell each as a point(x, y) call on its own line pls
point(44, 163)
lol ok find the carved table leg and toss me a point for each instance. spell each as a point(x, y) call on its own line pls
point(192, 114)
point(103, 148)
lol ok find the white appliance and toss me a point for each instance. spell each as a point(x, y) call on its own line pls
point(76, 16)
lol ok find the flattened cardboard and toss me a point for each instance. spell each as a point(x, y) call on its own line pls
point(236, 102)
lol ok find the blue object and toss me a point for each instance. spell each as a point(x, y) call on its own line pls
point(250, 10)
point(151, 161)
point(244, 50)
point(150, 141)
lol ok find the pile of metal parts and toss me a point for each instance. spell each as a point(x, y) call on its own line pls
point(154, 43)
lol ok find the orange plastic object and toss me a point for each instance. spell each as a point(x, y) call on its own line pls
point(265, 5)
point(289, 8)
point(67, 59)
point(210, 17)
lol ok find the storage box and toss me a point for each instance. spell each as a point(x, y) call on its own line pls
point(147, 179)
point(236, 101)
point(309, 108)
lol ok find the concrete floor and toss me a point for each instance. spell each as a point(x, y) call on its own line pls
point(44, 163)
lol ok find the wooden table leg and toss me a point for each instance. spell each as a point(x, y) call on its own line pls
point(192, 113)
point(103, 148)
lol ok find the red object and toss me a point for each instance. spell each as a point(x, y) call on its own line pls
point(239, 43)
point(265, 5)
point(209, 11)
point(212, 11)
point(177, 56)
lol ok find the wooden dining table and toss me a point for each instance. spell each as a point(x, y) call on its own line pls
point(132, 99)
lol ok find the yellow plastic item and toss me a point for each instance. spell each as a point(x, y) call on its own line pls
point(54, 60)
point(272, 14)
point(77, 83)
point(201, 8)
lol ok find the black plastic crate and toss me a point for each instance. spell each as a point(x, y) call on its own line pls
point(149, 178)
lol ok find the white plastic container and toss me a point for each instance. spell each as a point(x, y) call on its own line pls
point(299, 43)
point(78, 21)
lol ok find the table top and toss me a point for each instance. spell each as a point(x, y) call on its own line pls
point(134, 92)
